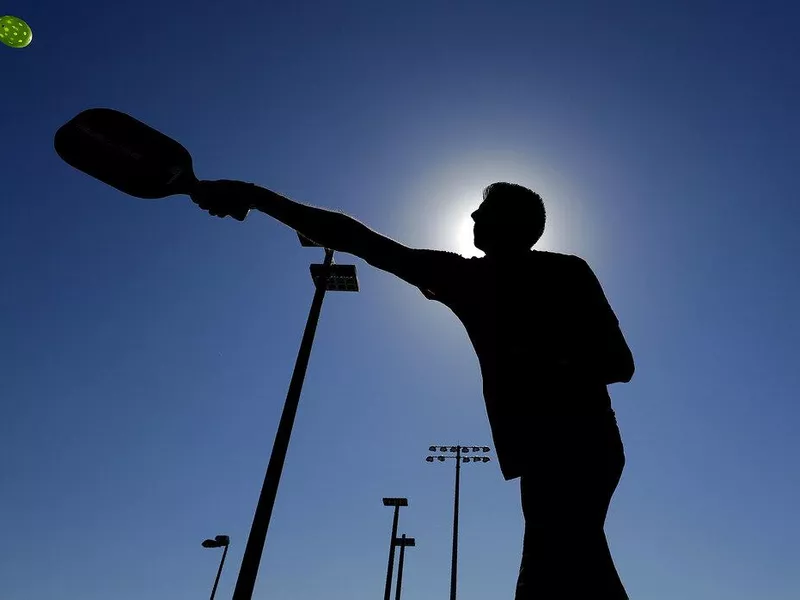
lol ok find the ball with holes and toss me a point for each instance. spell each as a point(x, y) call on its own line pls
point(14, 32)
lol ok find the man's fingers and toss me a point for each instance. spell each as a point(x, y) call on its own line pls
point(211, 197)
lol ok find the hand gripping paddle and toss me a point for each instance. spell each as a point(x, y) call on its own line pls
point(128, 155)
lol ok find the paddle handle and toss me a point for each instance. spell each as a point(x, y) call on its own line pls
point(183, 181)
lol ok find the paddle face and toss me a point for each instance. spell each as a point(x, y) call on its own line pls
point(126, 154)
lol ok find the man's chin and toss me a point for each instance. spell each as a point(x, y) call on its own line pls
point(480, 247)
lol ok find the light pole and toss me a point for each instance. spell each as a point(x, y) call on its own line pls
point(327, 276)
point(397, 503)
point(403, 542)
point(220, 541)
point(457, 450)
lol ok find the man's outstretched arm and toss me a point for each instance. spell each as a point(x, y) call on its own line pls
point(330, 229)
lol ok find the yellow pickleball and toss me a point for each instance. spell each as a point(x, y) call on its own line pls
point(15, 32)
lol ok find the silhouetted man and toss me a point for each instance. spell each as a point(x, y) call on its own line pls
point(548, 344)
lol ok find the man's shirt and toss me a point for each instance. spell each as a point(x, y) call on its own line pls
point(546, 338)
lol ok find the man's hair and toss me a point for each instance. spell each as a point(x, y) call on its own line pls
point(524, 204)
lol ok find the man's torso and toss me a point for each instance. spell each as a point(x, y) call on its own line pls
point(523, 318)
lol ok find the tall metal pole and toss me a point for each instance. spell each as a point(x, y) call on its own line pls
point(266, 501)
point(458, 450)
point(454, 565)
point(388, 590)
point(219, 572)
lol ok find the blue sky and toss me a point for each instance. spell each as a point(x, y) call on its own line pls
point(146, 347)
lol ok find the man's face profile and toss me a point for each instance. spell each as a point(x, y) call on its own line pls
point(498, 225)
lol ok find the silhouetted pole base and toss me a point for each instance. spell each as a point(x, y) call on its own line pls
point(454, 565)
point(400, 569)
point(387, 593)
point(219, 572)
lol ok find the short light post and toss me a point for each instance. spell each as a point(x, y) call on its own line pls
point(397, 503)
point(404, 543)
point(220, 541)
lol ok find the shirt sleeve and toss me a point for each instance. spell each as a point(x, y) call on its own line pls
point(435, 272)
point(605, 350)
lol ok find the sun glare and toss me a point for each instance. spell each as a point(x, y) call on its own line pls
point(458, 190)
point(462, 235)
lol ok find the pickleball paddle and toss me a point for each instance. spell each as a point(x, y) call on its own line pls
point(126, 154)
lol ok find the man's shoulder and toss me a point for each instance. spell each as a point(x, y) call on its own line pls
point(568, 269)
point(455, 260)
point(558, 261)
point(449, 254)
point(442, 258)
point(555, 259)
point(558, 257)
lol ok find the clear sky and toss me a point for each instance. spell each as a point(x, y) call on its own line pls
point(146, 348)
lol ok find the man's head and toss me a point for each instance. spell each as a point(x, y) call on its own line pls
point(510, 220)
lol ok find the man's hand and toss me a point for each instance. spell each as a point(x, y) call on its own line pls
point(224, 198)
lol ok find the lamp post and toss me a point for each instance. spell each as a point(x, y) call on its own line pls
point(397, 503)
point(220, 541)
point(441, 458)
point(403, 542)
point(326, 277)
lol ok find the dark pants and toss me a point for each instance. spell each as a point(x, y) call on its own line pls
point(566, 490)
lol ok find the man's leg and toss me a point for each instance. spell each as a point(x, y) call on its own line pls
point(565, 551)
point(569, 564)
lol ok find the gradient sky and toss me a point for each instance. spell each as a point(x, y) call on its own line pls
point(146, 347)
